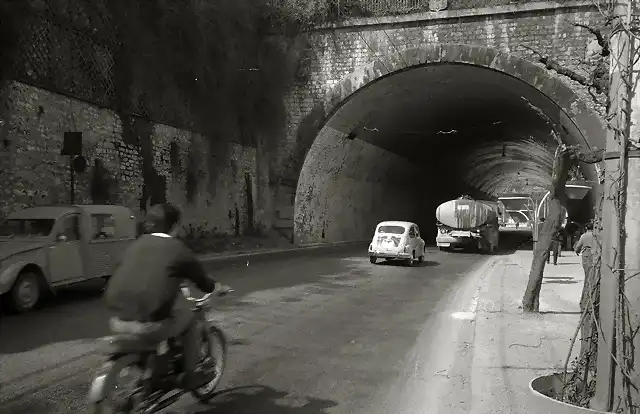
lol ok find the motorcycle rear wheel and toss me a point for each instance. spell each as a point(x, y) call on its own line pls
point(214, 351)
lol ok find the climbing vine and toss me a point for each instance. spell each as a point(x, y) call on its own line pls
point(613, 97)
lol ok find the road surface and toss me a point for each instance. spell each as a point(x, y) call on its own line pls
point(317, 333)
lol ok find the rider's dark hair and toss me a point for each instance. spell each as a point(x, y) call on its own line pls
point(589, 226)
point(162, 218)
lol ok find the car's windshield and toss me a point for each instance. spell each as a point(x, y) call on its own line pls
point(391, 229)
point(26, 227)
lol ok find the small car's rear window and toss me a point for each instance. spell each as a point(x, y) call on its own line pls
point(391, 229)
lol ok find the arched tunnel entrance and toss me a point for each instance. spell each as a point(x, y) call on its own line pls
point(396, 146)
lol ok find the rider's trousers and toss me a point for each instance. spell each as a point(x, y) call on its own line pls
point(183, 323)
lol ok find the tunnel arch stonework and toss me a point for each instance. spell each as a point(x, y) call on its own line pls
point(585, 118)
point(318, 207)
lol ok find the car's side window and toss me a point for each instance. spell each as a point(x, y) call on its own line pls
point(71, 228)
point(417, 231)
point(412, 233)
point(103, 226)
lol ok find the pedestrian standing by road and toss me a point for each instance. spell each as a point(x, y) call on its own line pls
point(556, 246)
point(570, 234)
point(584, 246)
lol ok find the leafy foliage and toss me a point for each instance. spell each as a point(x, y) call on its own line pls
point(575, 173)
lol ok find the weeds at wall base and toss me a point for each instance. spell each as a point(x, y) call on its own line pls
point(202, 239)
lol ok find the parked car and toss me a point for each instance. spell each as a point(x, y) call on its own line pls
point(49, 247)
point(397, 240)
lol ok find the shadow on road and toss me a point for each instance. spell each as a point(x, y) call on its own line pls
point(264, 400)
point(561, 282)
point(559, 313)
point(77, 313)
point(426, 263)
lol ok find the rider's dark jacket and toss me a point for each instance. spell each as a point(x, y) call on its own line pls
point(146, 285)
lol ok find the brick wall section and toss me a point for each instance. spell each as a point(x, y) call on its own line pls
point(216, 198)
point(34, 172)
point(341, 51)
point(341, 54)
point(375, 185)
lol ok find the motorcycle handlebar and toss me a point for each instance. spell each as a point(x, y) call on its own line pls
point(187, 293)
point(202, 299)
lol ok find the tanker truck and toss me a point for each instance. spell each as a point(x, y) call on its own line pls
point(468, 223)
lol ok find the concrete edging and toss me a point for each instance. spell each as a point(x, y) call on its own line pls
point(275, 252)
point(541, 386)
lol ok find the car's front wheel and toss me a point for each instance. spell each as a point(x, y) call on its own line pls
point(373, 259)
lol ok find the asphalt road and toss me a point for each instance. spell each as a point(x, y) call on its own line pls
point(316, 333)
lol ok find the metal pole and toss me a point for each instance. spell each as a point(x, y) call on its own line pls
point(536, 224)
point(606, 372)
point(541, 203)
point(630, 239)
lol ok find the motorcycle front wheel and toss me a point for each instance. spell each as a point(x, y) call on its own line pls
point(213, 360)
point(115, 391)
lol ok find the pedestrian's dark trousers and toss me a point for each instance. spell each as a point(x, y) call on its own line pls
point(555, 250)
point(183, 324)
point(587, 263)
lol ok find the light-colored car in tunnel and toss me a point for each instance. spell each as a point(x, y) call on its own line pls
point(397, 240)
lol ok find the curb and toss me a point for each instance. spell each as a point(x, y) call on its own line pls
point(214, 257)
point(482, 272)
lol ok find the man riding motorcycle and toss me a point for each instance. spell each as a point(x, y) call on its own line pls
point(144, 293)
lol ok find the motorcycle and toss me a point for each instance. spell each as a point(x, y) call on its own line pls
point(145, 381)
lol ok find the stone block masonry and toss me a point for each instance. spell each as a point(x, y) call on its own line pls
point(229, 188)
point(344, 58)
point(209, 181)
point(340, 50)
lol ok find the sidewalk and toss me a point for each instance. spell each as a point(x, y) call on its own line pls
point(511, 348)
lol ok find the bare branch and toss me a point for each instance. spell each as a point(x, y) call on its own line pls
point(591, 156)
point(551, 64)
point(604, 44)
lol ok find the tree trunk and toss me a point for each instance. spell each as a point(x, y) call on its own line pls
point(589, 303)
point(565, 158)
point(531, 299)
